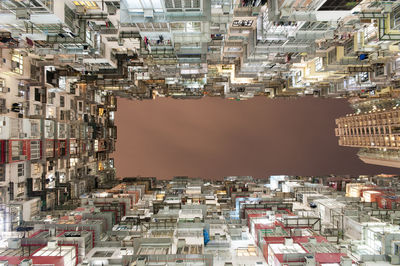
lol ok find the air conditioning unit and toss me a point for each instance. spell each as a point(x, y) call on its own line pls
point(52, 231)
point(22, 157)
point(23, 14)
point(26, 262)
point(141, 261)
point(179, 262)
point(52, 244)
point(285, 13)
point(148, 13)
point(226, 9)
point(346, 261)
point(310, 260)
point(14, 243)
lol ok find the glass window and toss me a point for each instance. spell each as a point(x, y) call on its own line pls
point(73, 147)
point(35, 129)
point(35, 149)
point(21, 169)
point(62, 101)
point(20, 189)
point(16, 150)
point(49, 148)
point(395, 129)
point(17, 63)
point(193, 26)
point(177, 26)
point(2, 172)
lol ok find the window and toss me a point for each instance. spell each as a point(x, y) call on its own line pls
point(16, 150)
point(73, 161)
point(35, 149)
point(2, 173)
point(62, 101)
point(21, 189)
point(62, 164)
point(62, 148)
point(177, 26)
point(395, 130)
point(36, 169)
point(49, 148)
point(193, 26)
point(21, 170)
point(37, 184)
point(35, 129)
point(49, 127)
point(139, 6)
point(62, 130)
point(17, 63)
point(73, 147)
point(318, 64)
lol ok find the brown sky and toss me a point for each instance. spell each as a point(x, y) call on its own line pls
point(214, 137)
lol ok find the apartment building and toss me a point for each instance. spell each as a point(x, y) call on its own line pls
point(374, 131)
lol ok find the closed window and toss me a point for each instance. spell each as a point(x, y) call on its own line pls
point(62, 101)
point(21, 189)
point(49, 149)
point(16, 151)
point(21, 169)
point(35, 150)
point(17, 62)
point(35, 130)
point(2, 173)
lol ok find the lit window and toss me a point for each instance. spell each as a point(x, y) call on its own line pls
point(21, 189)
point(17, 63)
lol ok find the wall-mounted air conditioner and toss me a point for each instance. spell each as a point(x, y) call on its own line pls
point(23, 14)
point(148, 13)
point(26, 262)
point(14, 243)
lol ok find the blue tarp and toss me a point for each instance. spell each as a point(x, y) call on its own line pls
point(206, 237)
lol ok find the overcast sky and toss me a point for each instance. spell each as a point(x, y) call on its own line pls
point(215, 137)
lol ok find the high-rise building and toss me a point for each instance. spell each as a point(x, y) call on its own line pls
point(376, 132)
